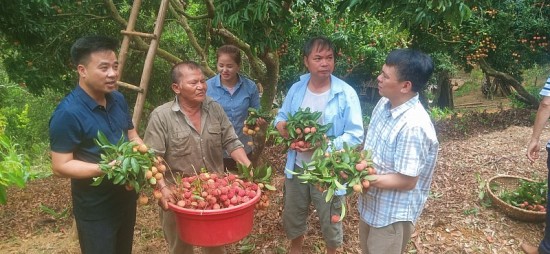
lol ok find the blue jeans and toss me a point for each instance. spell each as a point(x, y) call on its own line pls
point(544, 247)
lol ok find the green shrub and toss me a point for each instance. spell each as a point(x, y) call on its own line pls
point(25, 119)
point(14, 167)
point(438, 114)
point(467, 88)
point(536, 75)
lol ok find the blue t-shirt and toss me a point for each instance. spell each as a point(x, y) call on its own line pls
point(73, 128)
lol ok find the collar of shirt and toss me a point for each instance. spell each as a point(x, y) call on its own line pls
point(396, 112)
point(176, 106)
point(89, 101)
point(218, 83)
point(336, 85)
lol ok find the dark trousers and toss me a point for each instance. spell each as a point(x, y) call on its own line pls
point(107, 236)
point(544, 247)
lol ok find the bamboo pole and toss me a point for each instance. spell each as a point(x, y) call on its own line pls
point(126, 41)
point(149, 60)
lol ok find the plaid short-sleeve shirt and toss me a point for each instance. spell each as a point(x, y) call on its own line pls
point(403, 140)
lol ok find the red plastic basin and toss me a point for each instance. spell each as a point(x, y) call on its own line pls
point(209, 228)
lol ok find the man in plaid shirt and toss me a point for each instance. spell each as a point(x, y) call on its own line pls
point(405, 146)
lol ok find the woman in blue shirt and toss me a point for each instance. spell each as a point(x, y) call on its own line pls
point(235, 93)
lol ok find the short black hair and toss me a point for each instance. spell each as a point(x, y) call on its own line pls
point(319, 41)
point(175, 73)
point(411, 65)
point(85, 46)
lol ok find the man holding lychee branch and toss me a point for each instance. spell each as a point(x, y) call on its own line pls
point(105, 215)
point(404, 149)
point(322, 92)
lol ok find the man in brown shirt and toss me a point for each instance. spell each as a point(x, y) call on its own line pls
point(190, 133)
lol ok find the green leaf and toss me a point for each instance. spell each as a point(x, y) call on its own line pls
point(135, 165)
point(119, 179)
point(268, 172)
point(103, 140)
point(126, 164)
point(370, 178)
point(291, 172)
point(338, 184)
point(330, 193)
point(343, 213)
point(97, 180)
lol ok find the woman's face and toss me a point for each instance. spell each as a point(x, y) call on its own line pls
point(228, 68)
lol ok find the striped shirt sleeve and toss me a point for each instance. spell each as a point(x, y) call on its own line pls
point(546, 89)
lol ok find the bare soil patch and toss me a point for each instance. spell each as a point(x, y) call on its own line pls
point(474, 147)
point(475, 100)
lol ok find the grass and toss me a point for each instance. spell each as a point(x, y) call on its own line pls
point(471, 82)
point(467, 88)
point(536, 76)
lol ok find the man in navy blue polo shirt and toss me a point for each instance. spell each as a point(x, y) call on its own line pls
point(105, 215)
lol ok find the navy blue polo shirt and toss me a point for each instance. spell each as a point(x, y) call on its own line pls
point(73, 128)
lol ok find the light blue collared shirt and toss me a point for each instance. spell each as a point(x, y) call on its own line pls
point(236, 105)
point(343, 110)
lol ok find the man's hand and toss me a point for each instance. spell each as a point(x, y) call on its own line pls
point(533, 149)
point(167, 196)
point(281, 127)
point(261, 122)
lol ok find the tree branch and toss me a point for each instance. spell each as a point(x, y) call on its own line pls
point(210, 8)
point(202, 52)
point(114, 13)
point(180, 9)
point(509, 80)
point(92, 16)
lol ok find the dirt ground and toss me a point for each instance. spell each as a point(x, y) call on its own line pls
point(474, 148)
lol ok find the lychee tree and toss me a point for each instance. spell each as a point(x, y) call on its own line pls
point(503, 38)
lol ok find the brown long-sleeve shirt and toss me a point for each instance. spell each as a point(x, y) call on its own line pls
point(170, 134)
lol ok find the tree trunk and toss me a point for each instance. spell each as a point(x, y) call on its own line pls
point(509, 80)
point(444, 92)
point(503, 87)
point(269, 84)
point(488, 87)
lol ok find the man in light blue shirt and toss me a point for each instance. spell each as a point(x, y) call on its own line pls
point(320, 91)
point(404, 151)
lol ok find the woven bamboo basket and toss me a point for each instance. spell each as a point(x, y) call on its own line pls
point(499, 184)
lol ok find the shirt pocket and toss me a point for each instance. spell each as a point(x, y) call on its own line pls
point(214, 135)
point(180, 143)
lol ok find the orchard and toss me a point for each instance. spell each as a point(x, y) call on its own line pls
point(507, 42)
